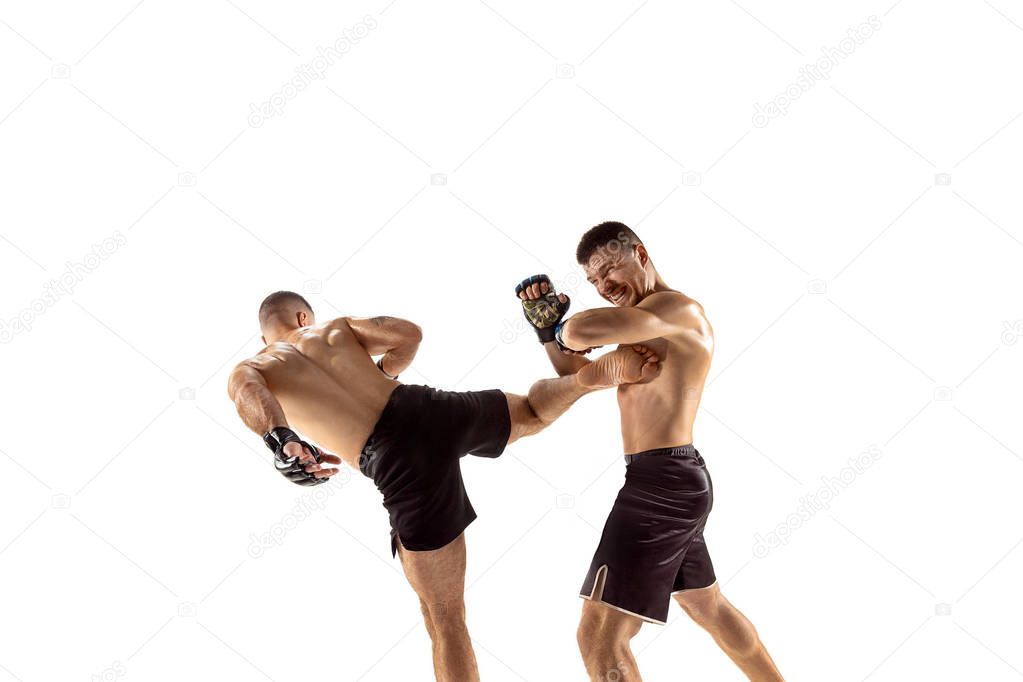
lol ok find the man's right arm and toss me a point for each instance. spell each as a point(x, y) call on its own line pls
point(564, 363)
point(256, 405)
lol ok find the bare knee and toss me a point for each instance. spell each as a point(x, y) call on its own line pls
point(604, 636)
point(444, 619)
point(713, 612)
point(524, 420)
point(703, 605)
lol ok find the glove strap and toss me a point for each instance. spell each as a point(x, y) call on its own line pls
point(557, 337)
point(291, 467)
point(276, 438)
point(380, 366)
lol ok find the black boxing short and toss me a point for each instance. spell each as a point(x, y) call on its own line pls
point(413, 457)
point(652, 546)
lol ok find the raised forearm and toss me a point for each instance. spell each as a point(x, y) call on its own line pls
point(606, 326)
point(563, 363)
point(406, 338)
point(397, 360)
point(392, 338)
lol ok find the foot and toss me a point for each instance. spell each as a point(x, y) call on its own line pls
point(624, 366)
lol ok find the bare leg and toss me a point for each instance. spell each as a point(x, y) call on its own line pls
point(731, 630)
point(548, 399)
point(438, 577)
point(604, 635)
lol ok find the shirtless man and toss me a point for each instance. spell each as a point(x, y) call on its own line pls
point(652, 547)
point(321, 379)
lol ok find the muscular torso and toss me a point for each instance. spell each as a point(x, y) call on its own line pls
point(328, 386)
point(661, 412)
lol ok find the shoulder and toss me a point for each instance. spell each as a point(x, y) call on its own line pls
point(673, 303)
point(244, 372)
point(342, 323)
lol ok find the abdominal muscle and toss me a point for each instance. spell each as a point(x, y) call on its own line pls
point(661, 412)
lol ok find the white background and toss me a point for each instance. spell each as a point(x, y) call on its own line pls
point(857, 301)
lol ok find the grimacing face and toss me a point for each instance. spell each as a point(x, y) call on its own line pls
point(618, 274)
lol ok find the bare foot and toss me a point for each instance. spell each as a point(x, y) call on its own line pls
point(623, 366)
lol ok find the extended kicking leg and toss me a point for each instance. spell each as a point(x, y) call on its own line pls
point(548, 399)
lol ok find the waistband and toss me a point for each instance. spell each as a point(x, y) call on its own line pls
point(677, 451)
point(382, 429)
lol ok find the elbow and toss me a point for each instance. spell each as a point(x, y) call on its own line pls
point(413, 334)
point(576, 337)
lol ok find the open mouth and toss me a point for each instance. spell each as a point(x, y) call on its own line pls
point(617, 297)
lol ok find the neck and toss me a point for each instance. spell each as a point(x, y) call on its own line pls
point(654, 283)
point(279, 333)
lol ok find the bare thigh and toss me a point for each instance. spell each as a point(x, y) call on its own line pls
point(438, 575)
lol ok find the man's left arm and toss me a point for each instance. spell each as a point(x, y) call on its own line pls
point(657, 315)
point(394, 339)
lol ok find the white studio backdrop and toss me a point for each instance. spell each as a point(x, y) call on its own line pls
point(838, 184)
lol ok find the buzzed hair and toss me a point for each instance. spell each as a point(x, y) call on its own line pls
point(278, 302)
point(613, 235)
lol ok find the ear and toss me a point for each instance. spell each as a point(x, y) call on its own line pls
point(302, 318)
point(263, 339)
point(642, 255)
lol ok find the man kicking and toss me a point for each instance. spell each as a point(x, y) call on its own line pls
point(322, 380)
point(652, 547)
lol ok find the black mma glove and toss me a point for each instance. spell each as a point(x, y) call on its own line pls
point(544, 314)
point(291, 467)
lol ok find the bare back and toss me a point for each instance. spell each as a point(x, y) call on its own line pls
point(660, 413)
point(327, 385)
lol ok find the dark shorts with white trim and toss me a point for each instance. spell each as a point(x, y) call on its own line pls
point(652, 545)
point(413, 457)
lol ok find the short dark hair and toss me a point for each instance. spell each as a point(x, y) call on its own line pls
point(602, 235)
point(277, 302)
